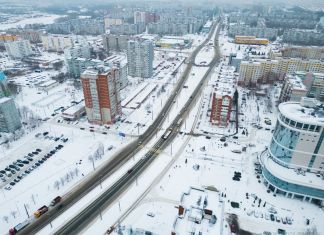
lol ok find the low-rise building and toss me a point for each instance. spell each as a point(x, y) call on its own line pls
point(75, 112)
point(251, 40)
point(173, 42)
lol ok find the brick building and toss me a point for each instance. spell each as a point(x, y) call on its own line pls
point(101, 94)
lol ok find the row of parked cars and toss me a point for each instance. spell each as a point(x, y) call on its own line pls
point(16, 166)
point(31, 162)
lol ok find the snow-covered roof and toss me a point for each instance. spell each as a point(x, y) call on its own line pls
point(296, 83)
point(4, 100)
point(74, 109)
point(296, 112)
point(289, 175)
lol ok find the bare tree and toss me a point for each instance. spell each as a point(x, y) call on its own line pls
point(57, 184)
point(76, 170)
point(62, 181)
point(13, 213)
point(5, 218)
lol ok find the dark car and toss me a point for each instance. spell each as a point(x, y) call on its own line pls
point(27, 171)
point(25, 162)
point(38, 150)
point(45, 133)
point(272, 217)
point(12, 183)
point(35, 153)
point(40, 161)
point(20, 165)
point(30, 159)
point(30, 154)
point(236, 178)
point(44, 158)
point(37, 164)
point(3, 172)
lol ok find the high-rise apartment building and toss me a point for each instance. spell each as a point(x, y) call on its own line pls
point(112, 42)
point(3, 85)
point(101, 94)
point(19, 49)
point(304, 52)
point(293, 89)
point(9, 116)
point(56, 42)
point(265, 70)
point(78, 50)
point(140, 58)
point(112, 21)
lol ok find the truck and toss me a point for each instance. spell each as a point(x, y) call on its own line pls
point(40, 211)
point(18, 227)
point(56, 200)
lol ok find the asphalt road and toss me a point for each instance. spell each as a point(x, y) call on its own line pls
point(107, 169)
point(75, 225)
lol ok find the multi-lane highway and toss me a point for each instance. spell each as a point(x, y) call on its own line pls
point(73, 226)
point(76, 224)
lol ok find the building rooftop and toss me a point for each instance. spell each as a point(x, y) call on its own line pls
point(297, 112)
point(296, 83)
point(4, 99)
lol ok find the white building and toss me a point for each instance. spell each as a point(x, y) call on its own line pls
point(57, 43)
point(293, 165)
point(19, 49)
point(140, 58)
point(78, 50)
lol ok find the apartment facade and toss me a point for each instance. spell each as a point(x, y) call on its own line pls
point(56, 42)
point(260, 32)
point(267, 70)
point(19, 49)
point(112, 42)
point(9, 116)
point(221, 109)
point(293, 89)
point(101, 94)
point(304, 52)
point(140, 58)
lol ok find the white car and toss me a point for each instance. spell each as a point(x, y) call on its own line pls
point(7, 187)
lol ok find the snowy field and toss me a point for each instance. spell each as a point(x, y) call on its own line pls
point(32, 19)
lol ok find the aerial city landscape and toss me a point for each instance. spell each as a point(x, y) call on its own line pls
point(162, 117)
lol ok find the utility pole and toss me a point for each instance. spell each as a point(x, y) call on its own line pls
point(26, 210)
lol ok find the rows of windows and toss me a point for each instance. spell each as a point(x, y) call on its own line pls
point(290, 187)
point(299, 125)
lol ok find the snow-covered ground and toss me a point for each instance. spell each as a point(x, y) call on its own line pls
point(151, 203)
point(32, 19)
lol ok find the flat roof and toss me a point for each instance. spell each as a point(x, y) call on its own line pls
point(296, 83)
point(296, 112)
point(76, 108)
